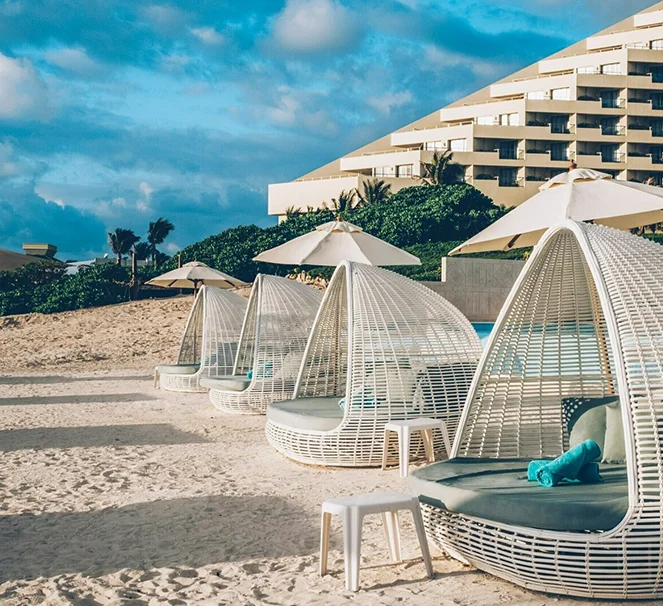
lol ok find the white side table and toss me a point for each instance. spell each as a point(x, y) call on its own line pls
point(352, 510)
point(404, 430)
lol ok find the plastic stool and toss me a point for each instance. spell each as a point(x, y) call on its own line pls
point(352, 510)
point(404, 429)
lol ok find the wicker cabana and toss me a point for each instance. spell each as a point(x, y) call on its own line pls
point(392, 349)
point(276, 326)
point(209, 344)
point(582, 326)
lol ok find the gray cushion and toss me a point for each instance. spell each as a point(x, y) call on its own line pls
point(498, 490)
point(316, 414)
point(230, 383)
point(178, 369)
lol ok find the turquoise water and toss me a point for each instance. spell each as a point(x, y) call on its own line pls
point(483, 330)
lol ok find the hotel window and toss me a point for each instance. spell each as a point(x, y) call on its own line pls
point(510, 119)
point(486, 120)
point(536, 94)
point(404, 170)
point(657, 44)
point(611, 68)
point(434, 146)
point(587, 69)
point(458, 145)
point(561, 94)
point(384, 171)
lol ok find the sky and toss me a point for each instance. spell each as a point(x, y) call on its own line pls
point(116, 112)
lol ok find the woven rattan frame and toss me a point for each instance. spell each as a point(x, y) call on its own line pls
point(276, 326)
point(210, 338)
point(395, 350)
point(585, 318)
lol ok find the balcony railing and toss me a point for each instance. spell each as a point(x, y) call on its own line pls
point(611, 103)
point(657, 159)
point(612, 157)
point(511, 154)
point(562, 129)
point(613, 130)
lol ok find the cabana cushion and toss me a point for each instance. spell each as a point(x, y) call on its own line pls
point(498, 490)
point(231, 383)
point(178, 369)
point(316, 414)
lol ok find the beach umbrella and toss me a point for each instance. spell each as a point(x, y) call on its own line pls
point(194, 274)
point(582, 195)
point(336, 241)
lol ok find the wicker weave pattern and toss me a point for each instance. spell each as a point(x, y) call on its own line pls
point(210, 338)
point(395, 350)
point(584, 319)
point(276, 327)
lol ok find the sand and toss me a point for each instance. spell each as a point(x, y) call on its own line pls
point(112, 492)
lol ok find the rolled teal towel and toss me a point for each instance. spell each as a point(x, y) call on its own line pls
point(249, 375)
point(568, 465)
point(588, 474)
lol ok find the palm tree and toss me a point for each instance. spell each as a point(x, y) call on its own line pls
point(121, 241)
point(291, 212)
point(344, 203)
point(373, 191)
point(157, 232)
point(442, 170)
point(142, 250)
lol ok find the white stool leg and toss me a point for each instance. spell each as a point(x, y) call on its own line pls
point(352, 543)
point(388, 533)
point(385, 449)
point(427, 435)
point(445, 438)
point(395, 534)
point(325, 527)
point(423, 541)
point(156, 379)
point(404, 448)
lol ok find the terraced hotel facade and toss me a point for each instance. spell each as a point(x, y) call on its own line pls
point(598, 103)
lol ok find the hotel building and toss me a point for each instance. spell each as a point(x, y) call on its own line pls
point(598, 103)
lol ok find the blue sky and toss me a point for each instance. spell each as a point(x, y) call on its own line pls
point(116, 112)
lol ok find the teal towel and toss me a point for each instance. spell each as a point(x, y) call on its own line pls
point(588, 474)
point(568, 465)
point(249, 375)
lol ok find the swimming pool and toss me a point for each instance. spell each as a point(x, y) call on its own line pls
point(483, 330)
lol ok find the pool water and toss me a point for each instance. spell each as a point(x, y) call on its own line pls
point(483, 330)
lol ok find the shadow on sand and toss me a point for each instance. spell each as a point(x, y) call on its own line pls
point(92, 398)
point(45, 379)
point(190, 532)
point(39, 438)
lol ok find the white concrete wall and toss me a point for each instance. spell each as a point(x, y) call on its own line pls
point(477, 287)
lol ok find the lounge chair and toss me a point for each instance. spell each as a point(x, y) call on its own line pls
point(209, 344)
point(383, 348)
point(586, 321)
point(276, 325)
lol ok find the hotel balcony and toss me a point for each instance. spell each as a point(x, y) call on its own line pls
point(388, 158)
point(316, 192)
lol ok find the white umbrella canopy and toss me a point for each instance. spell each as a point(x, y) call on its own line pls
point(192, 275)
point(336, 241)
point(582, 195)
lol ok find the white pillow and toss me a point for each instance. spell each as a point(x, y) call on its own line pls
point(590, 426)
point(290, 367)
point(614, 449)
point(392, 383)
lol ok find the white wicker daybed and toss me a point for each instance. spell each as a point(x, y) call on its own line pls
point(276, 326)
point(393, 350)
point(584, 320)
point(209, 344)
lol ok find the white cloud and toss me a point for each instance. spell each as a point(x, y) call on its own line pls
point(23, 94)
point(207, 35)
point(75, 60)
point(388, 101)
point(316, 27)
point(146, 189)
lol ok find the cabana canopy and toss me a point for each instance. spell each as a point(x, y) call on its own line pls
point(192, 275)
point(391, 349)
point(209, 343)
point(582, 195)
point(276, 325)
point(581, 333)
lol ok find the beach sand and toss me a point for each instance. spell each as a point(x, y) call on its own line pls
point(112, 492)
